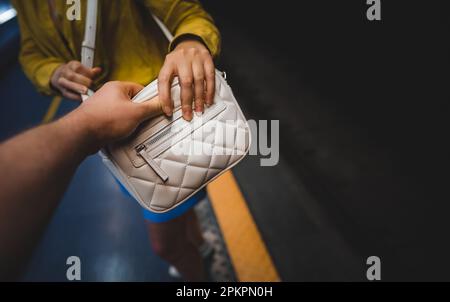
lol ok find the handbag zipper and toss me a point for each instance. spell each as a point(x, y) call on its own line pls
point(158, 137)
point(160, 172)
point(142, 148)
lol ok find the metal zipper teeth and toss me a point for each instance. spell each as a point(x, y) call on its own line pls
point(158, 137)
point(165, 133)
point(154, 140)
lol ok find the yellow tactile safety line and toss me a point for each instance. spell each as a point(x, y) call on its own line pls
point(52, 109)
point(251, 260)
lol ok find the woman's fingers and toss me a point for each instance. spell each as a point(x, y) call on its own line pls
point(186, 78)
point(199, 86)
point(96, 71)
point(80, 74)
point(164, 84)
point(191, 61)
point(79, 68)
point(78, 78)
point(70, 95)
point(72, 86)
point(210, 79)
point(73, 79)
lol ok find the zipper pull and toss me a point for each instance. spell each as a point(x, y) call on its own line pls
point(140, 150)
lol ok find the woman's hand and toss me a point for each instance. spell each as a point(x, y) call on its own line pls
point(73, 79)
point(194, 66)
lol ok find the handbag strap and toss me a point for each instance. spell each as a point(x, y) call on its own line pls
point(163, 28)
point(88, 45)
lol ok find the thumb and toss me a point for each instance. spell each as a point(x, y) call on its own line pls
point(150, 108)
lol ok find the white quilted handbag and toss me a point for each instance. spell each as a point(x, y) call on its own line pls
point(168, 160)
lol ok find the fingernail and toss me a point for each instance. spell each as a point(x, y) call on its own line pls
point(167, 110)
point(199, 110)
point(187, 115)
point(198, 113)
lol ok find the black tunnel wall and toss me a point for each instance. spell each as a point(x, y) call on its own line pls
point(386, 85)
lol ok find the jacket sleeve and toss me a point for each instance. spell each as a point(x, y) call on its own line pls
point(187, 18)
point(37, 66)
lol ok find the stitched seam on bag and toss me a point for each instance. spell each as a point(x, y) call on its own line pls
point(163, 185)
point(182, 182)
point(191, 165)
point(209, 163)
point(140, 195)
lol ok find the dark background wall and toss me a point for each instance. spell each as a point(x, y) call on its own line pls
point(363, 108)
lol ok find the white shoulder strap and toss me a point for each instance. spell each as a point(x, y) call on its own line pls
point(88, 46)
point(163, 28)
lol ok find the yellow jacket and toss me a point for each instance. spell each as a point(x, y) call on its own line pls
point(129, 47)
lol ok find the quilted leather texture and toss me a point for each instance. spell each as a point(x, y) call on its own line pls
point(191, 153)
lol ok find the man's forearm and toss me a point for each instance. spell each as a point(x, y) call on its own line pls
point(36, 167)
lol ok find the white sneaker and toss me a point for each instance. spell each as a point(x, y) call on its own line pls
point(174, 273)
